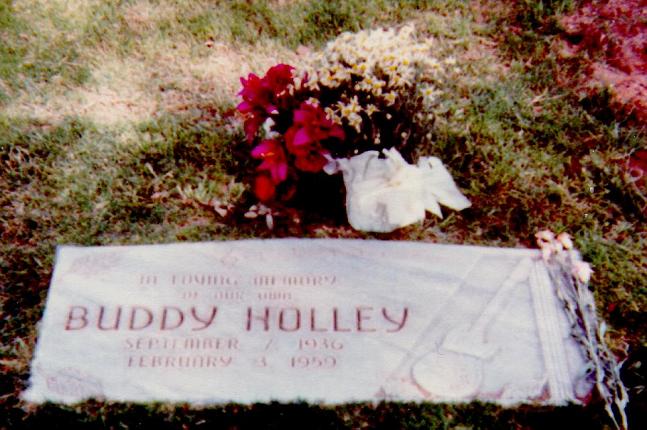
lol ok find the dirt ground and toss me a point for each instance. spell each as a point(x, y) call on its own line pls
point(612, 36)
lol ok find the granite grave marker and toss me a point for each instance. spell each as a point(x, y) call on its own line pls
point(304, 319)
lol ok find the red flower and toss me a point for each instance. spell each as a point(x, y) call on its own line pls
point(304, 138)
point(252, 123)
point(311, 126)
point(308, 157)
point(274, 161)
point(256, 104)
point(260, 96)
point(256, 94)
point(279, 77)
point(312, 161)
point(264, 188)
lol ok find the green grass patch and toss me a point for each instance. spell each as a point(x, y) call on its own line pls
point(293, 23)
point(106, 28)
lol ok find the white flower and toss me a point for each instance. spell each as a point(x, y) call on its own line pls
point(430, 93)
point(544, 237)
point(546, 242)
point(582, 271)
point(433, 64)
point(450, 61)
point(328, 81)
point(312, 84)
point(355, 121)
point(390, 98)
point(396, 53)
point(360, 69)
point(353, 105)
point(267, 128)
point(392, 68)
point(345, 110)
point(547, 251)
point(565, 239)
point(331, 114)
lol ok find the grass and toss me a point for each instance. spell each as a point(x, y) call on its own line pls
point(28, 55)
point(117, 122)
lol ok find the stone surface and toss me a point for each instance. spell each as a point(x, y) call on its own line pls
point(295, 319)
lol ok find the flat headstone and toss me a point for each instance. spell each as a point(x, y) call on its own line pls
point(304, 319)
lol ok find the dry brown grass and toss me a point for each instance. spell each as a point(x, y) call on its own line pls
point(163, 74)
point(130, 90)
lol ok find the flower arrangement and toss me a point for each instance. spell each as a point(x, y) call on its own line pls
point(571, 276)
point(369, 91)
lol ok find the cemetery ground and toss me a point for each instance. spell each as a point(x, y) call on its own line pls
point(117, 126)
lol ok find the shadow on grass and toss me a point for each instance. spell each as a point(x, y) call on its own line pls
point(275, 415)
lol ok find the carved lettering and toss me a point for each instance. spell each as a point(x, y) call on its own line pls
point(399, 323)
point(117, 320)
point(296, 320)
point(181, 361)
point(77, 313)
point(205, 322)
point(202, 279)
point(335, 321)
point(148, 279)
point(164, 325)
point(361, 319)
point(148, 318)
point(265, 318)
point(362, 316)
point(264, 280)
point(179, 343)
point(313, 324)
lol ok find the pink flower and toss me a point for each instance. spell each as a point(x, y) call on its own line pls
point(274, 160)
